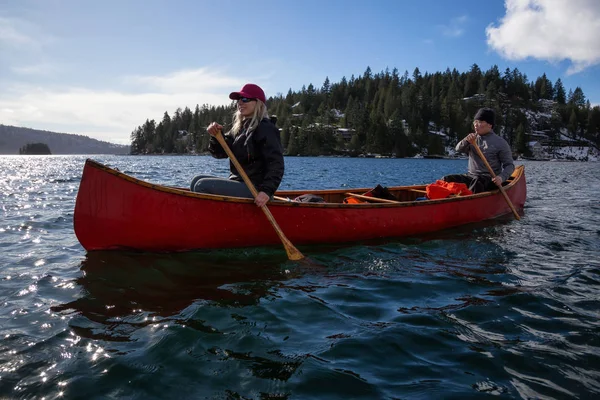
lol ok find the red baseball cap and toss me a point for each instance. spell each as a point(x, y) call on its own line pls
point(250, 91)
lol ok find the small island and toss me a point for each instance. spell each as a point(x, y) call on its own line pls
point(35, 149)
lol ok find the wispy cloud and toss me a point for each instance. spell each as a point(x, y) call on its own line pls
point(186, 81)
point(551, 30)
point(111, 115)
point(18, 34)
point(456, 27)
point(43, 68)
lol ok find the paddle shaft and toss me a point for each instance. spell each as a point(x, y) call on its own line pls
point(510, 204)
point(292, 252)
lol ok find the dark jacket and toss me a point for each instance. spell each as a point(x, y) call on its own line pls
point(259, 153)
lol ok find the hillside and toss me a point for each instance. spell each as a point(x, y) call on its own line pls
point(397, 115)
point(12, 138)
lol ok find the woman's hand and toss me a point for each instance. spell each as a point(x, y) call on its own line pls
point(261, 199)
point(214, 128)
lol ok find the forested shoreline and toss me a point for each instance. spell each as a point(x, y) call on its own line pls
point(14, 138)
point(35, 148)
point(397, 115)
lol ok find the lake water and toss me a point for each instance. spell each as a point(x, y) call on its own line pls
point(505, 309)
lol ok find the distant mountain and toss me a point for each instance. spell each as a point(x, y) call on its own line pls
point(12, 138)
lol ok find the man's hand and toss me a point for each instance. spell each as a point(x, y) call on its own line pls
point(261, 199)
point(471, 137)
point(497, 181)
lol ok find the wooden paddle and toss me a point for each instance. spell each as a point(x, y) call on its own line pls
point(510, 204)
point(292, 252)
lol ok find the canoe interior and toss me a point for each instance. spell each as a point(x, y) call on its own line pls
point(402, 193)
point(333, 197)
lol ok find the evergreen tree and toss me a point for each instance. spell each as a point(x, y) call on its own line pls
point(559, 92)
point(435, 146)
point(401, 143)
point(543, 88)
point(293, 145)
point(573, 123)
point(136, 141)
point(148, 132)
point(473, 79)
point(521, 141)
point(593, 127)
point(577, 98)
point(355, 145)
point(492, 76)
point(380, 141)
point(285, 134)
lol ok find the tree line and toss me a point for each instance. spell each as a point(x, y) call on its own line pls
point(35, 148)
point(392, 114)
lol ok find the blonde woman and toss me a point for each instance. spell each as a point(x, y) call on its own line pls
point(255, 142)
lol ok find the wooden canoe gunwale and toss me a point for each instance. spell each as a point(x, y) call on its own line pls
point(519, 170)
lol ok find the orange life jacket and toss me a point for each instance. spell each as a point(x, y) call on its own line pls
point(442, 189)
point(353, 200)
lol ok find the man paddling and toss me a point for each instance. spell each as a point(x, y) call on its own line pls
point(495, 149)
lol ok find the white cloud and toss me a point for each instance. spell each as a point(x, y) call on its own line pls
point(111, 115)
point(456, 27)
point(186, 81)
point(552, 30)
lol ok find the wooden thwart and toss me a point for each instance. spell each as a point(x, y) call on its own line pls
point(374, 199)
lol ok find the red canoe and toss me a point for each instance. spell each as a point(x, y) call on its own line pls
point(117, 211)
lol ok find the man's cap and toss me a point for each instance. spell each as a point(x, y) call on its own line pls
point(485, 114)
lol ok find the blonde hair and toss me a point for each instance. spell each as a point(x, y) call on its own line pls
point(260, 112)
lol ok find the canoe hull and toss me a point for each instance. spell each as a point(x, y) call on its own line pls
point(116, 211)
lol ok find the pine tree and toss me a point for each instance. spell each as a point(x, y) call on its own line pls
point(593, 125)
point(573, 123)
point(473, 80)
point(521, 141)
point(285, 134)
point(559, 92)
point(435, 146)
point(401, 144)
point(136, 141)
point(293, 147)
point(577, 98)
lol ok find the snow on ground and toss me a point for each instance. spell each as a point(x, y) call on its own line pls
point(574, 153)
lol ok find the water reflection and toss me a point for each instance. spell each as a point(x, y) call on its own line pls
point(122, 292)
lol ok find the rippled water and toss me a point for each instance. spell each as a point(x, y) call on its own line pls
point(506, 308)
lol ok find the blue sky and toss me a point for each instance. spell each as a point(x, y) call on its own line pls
point(100, 68)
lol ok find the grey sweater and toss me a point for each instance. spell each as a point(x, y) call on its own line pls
point(497, 152)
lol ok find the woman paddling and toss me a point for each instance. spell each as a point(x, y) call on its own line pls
point(255, 142)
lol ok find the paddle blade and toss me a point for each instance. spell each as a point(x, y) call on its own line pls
point(292, 252)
